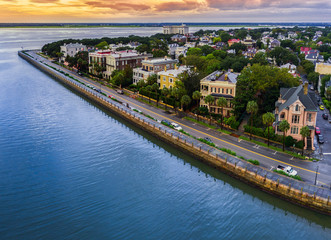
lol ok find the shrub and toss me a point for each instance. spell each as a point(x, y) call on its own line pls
point(271, 132)
point(299, 144)
point(255, 162)
point(289, 141)
point(206, 142)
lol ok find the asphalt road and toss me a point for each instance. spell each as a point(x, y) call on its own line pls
point(268, 158)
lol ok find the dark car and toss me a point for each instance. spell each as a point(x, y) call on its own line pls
point(320, 138)
point(325, 116)
point(208, 139)
point(119, 91)
point(166, 122)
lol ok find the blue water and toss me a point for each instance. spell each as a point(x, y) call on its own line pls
point(69, 170)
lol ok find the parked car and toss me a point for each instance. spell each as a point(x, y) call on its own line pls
point(317, 130)
point(208, 139)
point(320, 139)
point(166, 122)
point(322, 107)
point(176, 126)
point(289, 170)
point(330, 120)
point(325, 116)
point(119, 91)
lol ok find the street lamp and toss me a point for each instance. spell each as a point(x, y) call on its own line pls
point(316, 174)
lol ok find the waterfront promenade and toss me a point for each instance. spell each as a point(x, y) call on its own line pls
point(268, 158)
point(285, 187)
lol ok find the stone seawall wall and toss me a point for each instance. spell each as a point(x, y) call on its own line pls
point(265, 180)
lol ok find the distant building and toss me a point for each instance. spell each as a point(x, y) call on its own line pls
point(305, 50)
point(110, 61)
point(167, 78)
point(298, 107)
point(232, 41)
point(323, 68)
point(177, 29)
point(250, 53)
point(179, 38)
point(71, 49)
point(248, 41)
point(292, 35)
point(290, 67)
point(274, 43)
point(152, 66)
point(219, 84)
point(314, 56)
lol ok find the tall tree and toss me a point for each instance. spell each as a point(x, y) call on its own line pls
point(222, 102)
point(284, 126)
point(166, 93)
point(268, 119)
point(304, 132)
point(197, 96)
point(185, 101)
point(251, 108)
point(209, 99)
point(154, 88)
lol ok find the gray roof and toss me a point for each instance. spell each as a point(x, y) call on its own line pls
point(292, 94)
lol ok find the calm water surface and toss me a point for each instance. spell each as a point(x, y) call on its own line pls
point(68, 170)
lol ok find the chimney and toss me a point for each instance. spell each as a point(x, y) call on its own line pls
point(226, 77)
point(305, 88)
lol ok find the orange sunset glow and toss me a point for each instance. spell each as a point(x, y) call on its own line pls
point(28, 11)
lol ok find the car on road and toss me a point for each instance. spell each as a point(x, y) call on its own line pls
point(288, 170)
point(166, 122)
point(208, 139)
point(322, 107)
point(176, 126)
point(320, 138)
point(317, 130)
point(325, 116)
point(119, 91)
point(330, 120)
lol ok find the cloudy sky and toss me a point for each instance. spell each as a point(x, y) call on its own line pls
point(27, 11)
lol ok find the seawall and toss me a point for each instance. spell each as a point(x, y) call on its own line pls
point(297, 192)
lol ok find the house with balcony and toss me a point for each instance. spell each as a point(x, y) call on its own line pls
point(167, 78)
point(176, 29)
point(98, 58)
point(249, 42)
point(152, 66)
point(299, 107)
point(219, 84)
point(71, 49)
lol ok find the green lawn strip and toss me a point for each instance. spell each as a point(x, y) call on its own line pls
point(297, 177)
point(224, 131)
point(272, 147)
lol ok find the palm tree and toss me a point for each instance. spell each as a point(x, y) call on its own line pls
point(268, 118)
point(305, 132)
point(221, 102)
point(148, 88)
point(251, 108)
point(209, 99)
point(197, 96)
point(185, 100)
point(165, 92)
point(155, 87)
point(284, 126)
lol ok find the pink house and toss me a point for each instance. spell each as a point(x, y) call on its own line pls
point(305, 50)
point(298, 107)
point(232, 41)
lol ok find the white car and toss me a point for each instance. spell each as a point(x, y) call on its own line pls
point(176, 126)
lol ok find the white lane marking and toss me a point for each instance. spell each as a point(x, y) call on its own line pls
point(326, 153)
point(274, 153)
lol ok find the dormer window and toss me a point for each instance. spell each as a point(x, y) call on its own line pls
point(297, 108)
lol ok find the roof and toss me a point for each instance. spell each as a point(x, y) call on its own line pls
point(221, 95)
point(293, 94)
point(220, 76)
point(174, 72)
point(234, 40)
point(160, 61)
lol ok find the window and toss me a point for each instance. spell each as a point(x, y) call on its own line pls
point(219, 90)
point(227, 91)
point(222, 90)
point(294, 130)
point(309, 117)
point(164, 79)
point(230, 91)
point(282, 115)
point(297, 108)
point(295, 119)
point(170, 80)
point(164, 86)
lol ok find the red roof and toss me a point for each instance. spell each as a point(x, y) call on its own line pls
point(234, 40)
point(305, 49)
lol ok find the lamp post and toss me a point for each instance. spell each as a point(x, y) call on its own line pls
point(316, 174)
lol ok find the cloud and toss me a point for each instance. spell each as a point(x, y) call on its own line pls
point(118, 6)
point(178, 6)
point(263, 4)
point(44, 1)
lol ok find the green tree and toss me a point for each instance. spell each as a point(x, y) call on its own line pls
point(155, 88)
point(328, 92)
point(166, 93)
point(102, 45)
point(304, 132)
point(151, 79)
point(313, 78)
point(194, 51)
point(98, 69)
point(268, 119)
point(118, 79)
point(185, 101)
point(209, 99)
point(222, 102)
point(177, 92)
point(148, 88)
point(251, 108)
point(197, 96)
point(284, 126)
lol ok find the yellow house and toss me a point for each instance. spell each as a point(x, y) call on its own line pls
point(167, 78)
